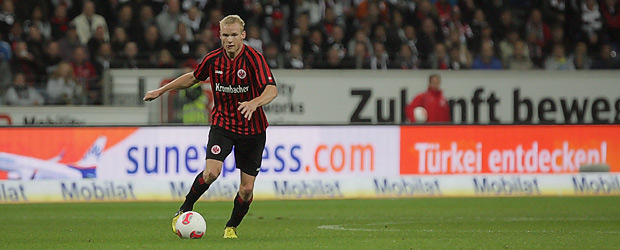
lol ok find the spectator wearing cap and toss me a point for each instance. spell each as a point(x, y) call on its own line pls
point(86, 23)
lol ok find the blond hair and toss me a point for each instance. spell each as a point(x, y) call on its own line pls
point(231, 19)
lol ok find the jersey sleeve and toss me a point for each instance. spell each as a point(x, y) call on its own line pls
point(263, 73)
point(202, 71)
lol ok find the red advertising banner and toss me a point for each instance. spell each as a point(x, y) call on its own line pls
point(507, 149)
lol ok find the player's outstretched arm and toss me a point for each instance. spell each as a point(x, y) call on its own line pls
point(247, 108)
point(181, 82)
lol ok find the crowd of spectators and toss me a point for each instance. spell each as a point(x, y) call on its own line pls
point(55, 51)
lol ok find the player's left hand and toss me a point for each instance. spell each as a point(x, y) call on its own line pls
point(247, 109)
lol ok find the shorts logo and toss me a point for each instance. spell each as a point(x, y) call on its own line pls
point(216, 149)
point(241, 73)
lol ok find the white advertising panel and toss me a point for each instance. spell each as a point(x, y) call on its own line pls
point(170, 189)
point(73, 115)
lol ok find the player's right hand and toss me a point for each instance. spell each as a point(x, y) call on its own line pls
point(151, 95)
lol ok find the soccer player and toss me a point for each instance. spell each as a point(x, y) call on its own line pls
point(241, 82)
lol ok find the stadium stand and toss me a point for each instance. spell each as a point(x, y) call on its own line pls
point(93, 36)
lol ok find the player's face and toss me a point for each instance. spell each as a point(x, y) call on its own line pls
point(232, 38)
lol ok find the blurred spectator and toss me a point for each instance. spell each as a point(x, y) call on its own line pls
point(168, 19)
point(405, 58)
point(129, 58)
point(558, 60)
point(294, 58)
point(69, 43)
point(536, 50)
point(427, 40)
point(557, 37)
point(591, 23)
point(5, 68)
point(35, 42)
point(146, 20)
point(60, 22)
point(24, 62)
point(21, 94)
point(433, 102)
point(505, 25)
point(215, 15)
point(315, 48)
point(85, 76)
point(520, 59)
point(61, 85)
point(361, 56)
point(273, 57)
point(165, 60)
point(336, 40)
point(86, 23)
point(194, 20)
point(611, 14)
point(253, 38)
point(486, 59)
point(7, 17)
point(605, 59)
point(102, 58)
point(181, 44)
point(507, 45)
point(96, 41)
point(439, 59)
point(150, 44)
point(16, 33)
point(456, 62)
point(380, 58)
point(119, 39)
point(124, 19)
point(277, 31)
point(52, 57)
point(332, 60)
point(554, 11)
point(455, 40)
point(38, 19)
point(538, 29)
point(360, 37)
point(468, 9)
point(580, 57)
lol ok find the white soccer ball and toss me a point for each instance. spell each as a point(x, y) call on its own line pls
point(420, 115)
point(191, 225)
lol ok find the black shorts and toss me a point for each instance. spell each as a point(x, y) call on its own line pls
point(248, 148)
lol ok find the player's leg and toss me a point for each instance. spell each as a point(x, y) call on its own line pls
point(201, 183)
point(248, 156)
point(219, 146)
point(242, 200)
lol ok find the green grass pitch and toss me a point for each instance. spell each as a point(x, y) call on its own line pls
point(421, 223)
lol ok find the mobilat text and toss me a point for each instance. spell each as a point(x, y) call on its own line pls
point(433, 159)
point(279, 158)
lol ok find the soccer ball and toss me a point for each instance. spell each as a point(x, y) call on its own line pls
point(191, 225)
point(420, 115)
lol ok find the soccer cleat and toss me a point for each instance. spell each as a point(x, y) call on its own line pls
point(230, 233)
point(174, 221)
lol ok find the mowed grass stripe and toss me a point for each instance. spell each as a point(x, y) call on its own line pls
point(437, 223)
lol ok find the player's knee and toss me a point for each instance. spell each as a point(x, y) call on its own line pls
point(246, 190)
point(211, 175)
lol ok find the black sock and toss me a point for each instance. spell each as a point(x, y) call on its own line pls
point(199, 187)
point(240, 209)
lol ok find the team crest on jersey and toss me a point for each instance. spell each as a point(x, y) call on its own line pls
point(216, 149)
point(241, 73)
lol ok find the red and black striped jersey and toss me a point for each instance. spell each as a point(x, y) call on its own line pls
point(232, 81)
